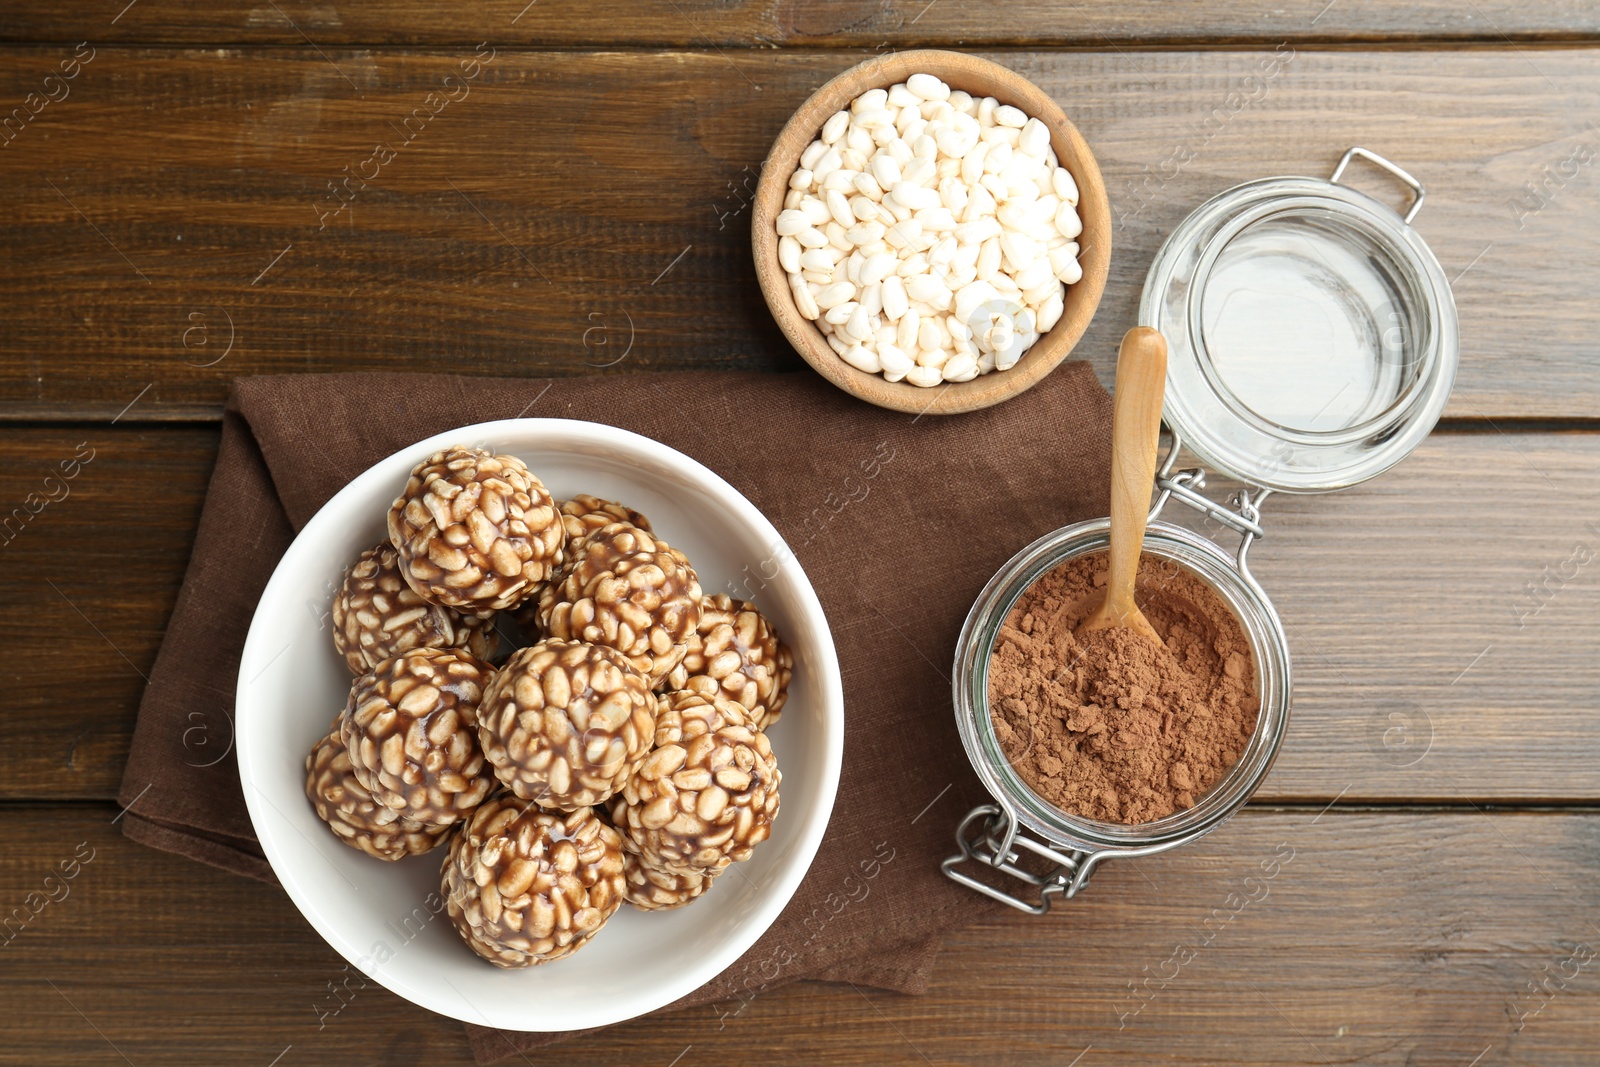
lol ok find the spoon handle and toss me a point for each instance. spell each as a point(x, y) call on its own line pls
point(1135, 432)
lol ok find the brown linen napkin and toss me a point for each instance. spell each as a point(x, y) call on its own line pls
point(898, 521)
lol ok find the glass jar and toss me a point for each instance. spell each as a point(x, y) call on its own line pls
point(1312, 344)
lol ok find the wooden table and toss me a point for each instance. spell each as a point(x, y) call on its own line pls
point(169, 223)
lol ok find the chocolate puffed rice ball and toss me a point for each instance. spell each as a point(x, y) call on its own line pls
point(490, 949)
point(352, 813)
point(377, 614)
point(735, 652)
point(476, 531)
point(526, 886)
point(584, 514)
point(581, 516)
point(565, 723)
point(412, 733)
point(683, 715)
point(650, 888)
point(625, 589)
point(697, 805)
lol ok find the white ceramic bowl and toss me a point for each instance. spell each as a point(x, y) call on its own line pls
point(381, 916)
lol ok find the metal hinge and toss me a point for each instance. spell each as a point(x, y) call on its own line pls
point(988, 835)
point(1242, 513)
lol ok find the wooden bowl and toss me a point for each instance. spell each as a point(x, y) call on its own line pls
point(980, 78)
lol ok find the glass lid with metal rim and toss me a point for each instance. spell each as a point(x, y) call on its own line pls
point(1312, 334)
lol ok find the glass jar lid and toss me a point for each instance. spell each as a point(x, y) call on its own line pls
point(1312, 339)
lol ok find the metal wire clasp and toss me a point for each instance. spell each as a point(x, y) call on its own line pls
point(1417, 191)
point(1244, 514)
point(989, 834)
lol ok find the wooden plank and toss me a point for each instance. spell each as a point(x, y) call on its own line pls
point(573, 207)
point(765, 23)
point(1443, 621)
point(1425, 667)
point(1352, 937)
point(88, 583)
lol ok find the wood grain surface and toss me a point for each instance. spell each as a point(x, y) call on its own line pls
point(1426, 668)
point(1282, 939)
point(771, 23)
point(584, 213)
point(88, 584)
point(1421, 861)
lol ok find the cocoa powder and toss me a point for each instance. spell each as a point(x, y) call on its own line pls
point(1111, 726)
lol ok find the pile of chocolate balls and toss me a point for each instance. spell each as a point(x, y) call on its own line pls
point(621, 756)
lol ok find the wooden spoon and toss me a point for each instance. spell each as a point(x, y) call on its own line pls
point(1135, 430)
